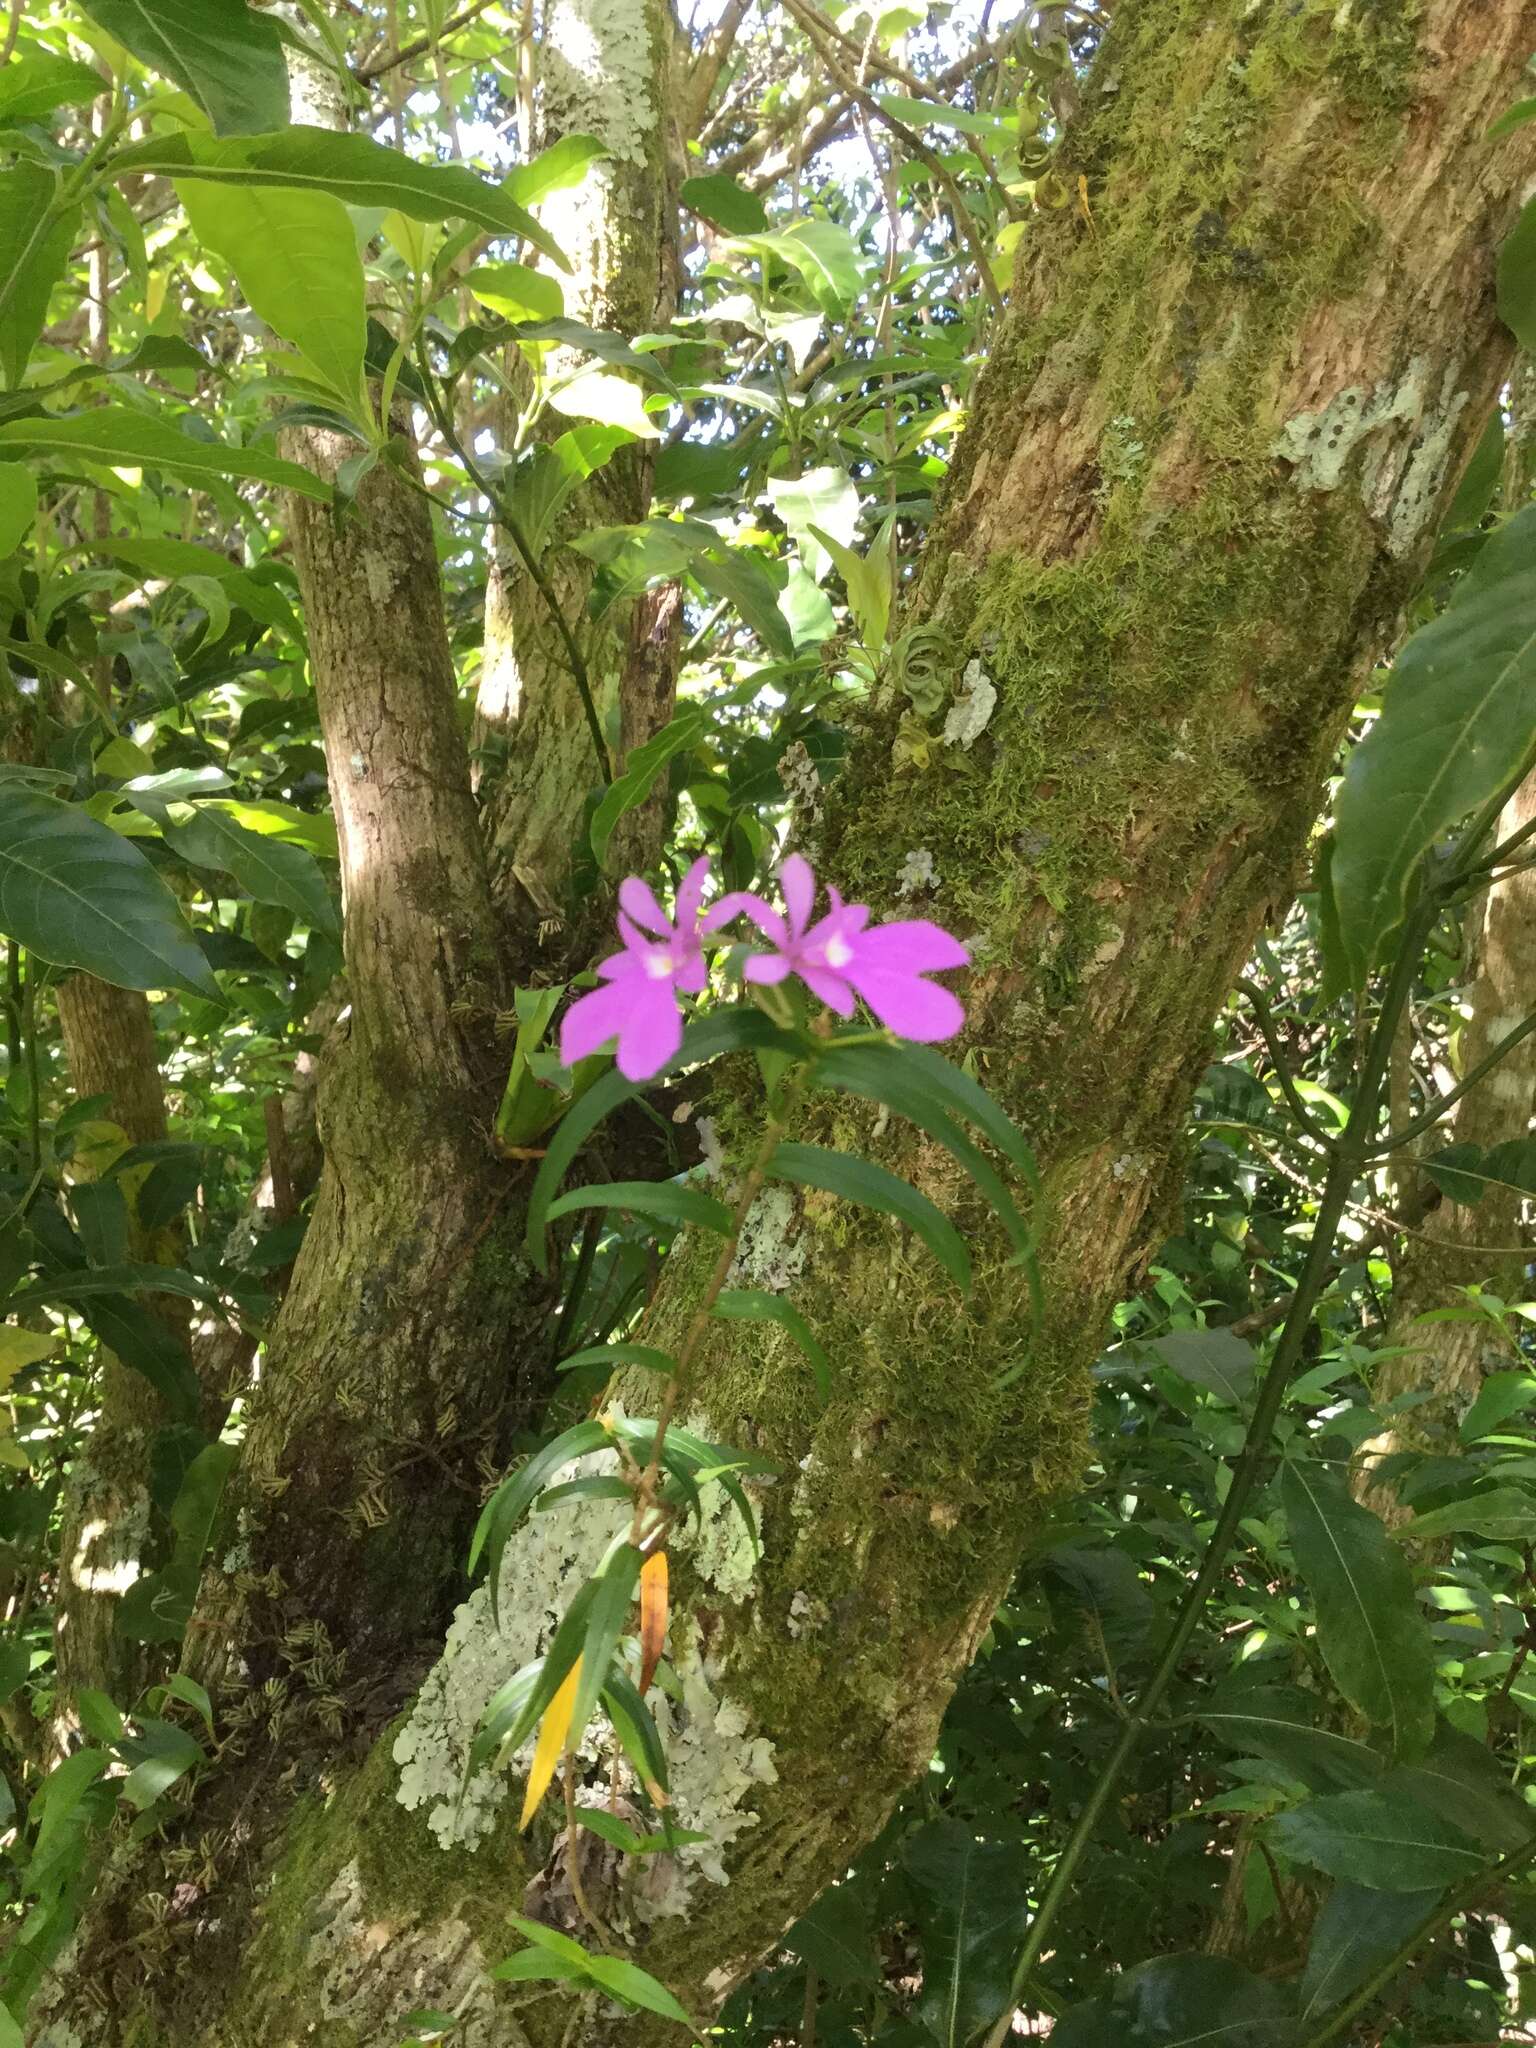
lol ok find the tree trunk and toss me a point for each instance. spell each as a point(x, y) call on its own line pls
point(105, 1544)
point(1232, 393)
point(607, 69)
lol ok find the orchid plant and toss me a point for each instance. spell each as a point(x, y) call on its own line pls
point(745, 1001)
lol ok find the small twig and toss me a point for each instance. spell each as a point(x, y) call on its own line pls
point(12, 31)
point(366, 73)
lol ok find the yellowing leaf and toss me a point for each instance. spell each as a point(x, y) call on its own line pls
point(20, 1348)
point(550, 1747)
point(653, 1616)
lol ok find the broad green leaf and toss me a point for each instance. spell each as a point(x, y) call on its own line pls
point(160, 1754)
point(1500, 1514)
point(146, 1345)
point(76, 893)
point(121, 439)
point(37, 231)
point(1216, 1359)
point(350, 167)
point(1480, 480)
point(1512, 118)
point(836, 1939)
point(975, 1897)
point(642, 769)
point(872, 1187)
point(516, 292)
point(1459, 718)
point(868, 584)
point(753, 583)
point(314, 829)
point(295, 257)
point(18, 504)
point(1277, 1722)
point(1464, 1783)
point(1378, 1838)
point(608, 347)
point(1188, 2001)
point(825, 498)
point(823, 254)
point(720, 200)
point(545, 480)
point(564, 164)
point(607, 398)
point(1370, 1628)
point(268, 868)
point(662, 1200)
point(1501, 1395)
point(754, 1305)
point(1356, 1932)
point(33, 84)
point(228, 58)
point(998, 129)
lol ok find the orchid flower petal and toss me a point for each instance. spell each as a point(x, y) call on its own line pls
point(652, 1029)
point(906, 1004)
point(743, 903)
point(912, 946)
point(595, 1020)
point(690, 894)
point(766, 967)
point(797, 879)
point(639, 900)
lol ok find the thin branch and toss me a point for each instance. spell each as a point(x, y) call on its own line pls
point(1264, 1017)
point(366, 73)
point(1438, 1108)
point(12, 31)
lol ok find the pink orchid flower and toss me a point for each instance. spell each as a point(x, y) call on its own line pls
point(638, 1003)
point(841, 956)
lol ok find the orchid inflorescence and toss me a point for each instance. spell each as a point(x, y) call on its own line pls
point(839, 957)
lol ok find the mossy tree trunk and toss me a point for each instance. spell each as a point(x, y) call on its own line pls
point(1226, 408)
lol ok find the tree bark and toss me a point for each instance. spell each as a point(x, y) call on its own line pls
point(608, 68)
point(106, 1541)
point(1224, 413)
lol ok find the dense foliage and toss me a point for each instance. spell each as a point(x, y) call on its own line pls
point(1243, 1753)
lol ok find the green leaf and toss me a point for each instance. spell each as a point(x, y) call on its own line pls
point(1380, 1839)
point(80, 895)
point(556, 169)
point(269, 869)
point(545, 480)
point(823, 254)
point(753, 1305)
point(998, 129)
point(516, 292)
point(228, 58)
point(18, 502)
point(1500, 1514)
point(735, 1029)
point(836, 1940)
point(1370, 1628)
point(1189, 2001)
point(1466, 1785)
point(620, 1354)
point(1512, 118)
point(976, 1904)
point(725, 204)
point(37, 233)
point(636, 1729)
point(123, 439)
point(872, 1187)
point(1215, 1359)
point(1458, 719)
point(352, 168)
point(1501, 1395)
point(514, 1496)
point(160, 1753)
point(144, 1343)
point(868, 584)
point(1517, 278)
point(1480, 480)
point(611, 1604)
point(825, 498)
point(1277, 1722)
point(663, 1200)
point(295, 257)
point(538, 1966)
point(31, 88)
point(642, 769)
point(633, 1986)
point(1356, 1932)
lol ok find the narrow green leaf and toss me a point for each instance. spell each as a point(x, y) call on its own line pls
point(295, 257)
point(1501, 1395)
point(18, 502)
point(872, 1187)
point(228, 58)
point(36, 235)
point(611, 1604)
point(1500, 1514)
point(78, 894)
point(633, 1986)
point(146, 1345)
point(1380, 1839)
point(513, 1497)
point(1277, 1722)
point(122, 439)
point(1458, 719)
point(636, 1729)
point(267, 868)
point(663, 1200)
point(620, 1354)
point(642, 769)
point(754, 1305)
point(352, 168)
point(1517, 277)
point(1370, 1628)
